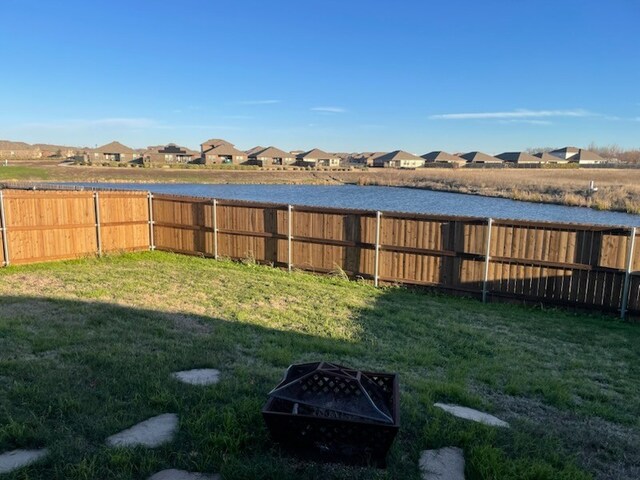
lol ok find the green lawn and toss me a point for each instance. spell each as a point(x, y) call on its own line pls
point(22, 173)
point(86, 349)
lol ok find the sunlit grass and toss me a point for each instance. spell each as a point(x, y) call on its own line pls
point(23, 173)
point(86, 349)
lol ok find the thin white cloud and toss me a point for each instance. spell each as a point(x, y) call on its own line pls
point(529, 122)
point(329, 109)
point(258, 102)
point(514, 114)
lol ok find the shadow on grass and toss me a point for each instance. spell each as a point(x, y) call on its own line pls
point(74, 372)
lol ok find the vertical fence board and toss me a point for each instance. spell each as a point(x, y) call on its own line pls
point(565, 264)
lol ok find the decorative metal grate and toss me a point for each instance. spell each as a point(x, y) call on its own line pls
point(334, 411)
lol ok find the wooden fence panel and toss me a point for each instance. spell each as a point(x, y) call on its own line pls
point(634, 294)
point(44, 226)
point(252, 232)
point(330, 241)
point(124, 221)
point(541, 262)
point(183, 224)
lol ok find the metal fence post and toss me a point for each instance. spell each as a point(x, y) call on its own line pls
point(96, 211)
point(3, 224)
point(214, 207)
point(289, 237)
point(487, 259)
point(627, 274)
point(152, 242)
point(376, 265)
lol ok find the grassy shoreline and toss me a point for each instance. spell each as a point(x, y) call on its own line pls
point(618, 190)
point(87, 346)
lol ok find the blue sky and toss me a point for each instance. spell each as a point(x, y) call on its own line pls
point(343, 75)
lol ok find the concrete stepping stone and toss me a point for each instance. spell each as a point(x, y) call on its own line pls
point(442, 464)
point(471, 414)
point(173, 474)
point(198, 376)
point(151, 433)
point(15, 459)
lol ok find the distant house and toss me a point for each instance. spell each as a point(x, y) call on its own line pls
point(479, 157)
point(546, 157)
point(218, 151)
point(18, 151)
point(253, 150)
point(564, 153)
point(519, 158)
point(586, 157)
point(272, 156)
point(317, 158)
point(167, 154)
point(113, 152)
point(370, 158)
point(363, 158)
point(398, 159)
point(58, 151)
point(438, 156)
point(212, 143)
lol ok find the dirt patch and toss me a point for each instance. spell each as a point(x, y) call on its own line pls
point(598, 444)
point(33, 282)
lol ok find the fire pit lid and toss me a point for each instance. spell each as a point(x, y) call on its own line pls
point(329, 388)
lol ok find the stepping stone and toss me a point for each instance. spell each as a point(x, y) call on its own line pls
point(10, 461)
point(442, 464)
point(471, 414)
point(173, 474)
point(150, 433)
point(199, 376)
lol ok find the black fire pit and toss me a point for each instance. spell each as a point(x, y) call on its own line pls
point(334, 413)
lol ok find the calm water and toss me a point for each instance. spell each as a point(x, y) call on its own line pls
point(388, 198)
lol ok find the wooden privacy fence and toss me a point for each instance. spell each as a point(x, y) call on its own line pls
point(565, 264)
point(39, 226)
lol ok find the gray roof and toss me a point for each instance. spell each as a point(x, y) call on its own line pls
point(225, 149)
point(546, 157)
point(518, 157)
point(114, 147)
point(565, 150)
point(214, 142)
point(586, 155)
point(171, 148)
point(397, 155)
point(315, 154)
point(440, 156)
point(253, 150)
point(479, 157)
point(272, 152)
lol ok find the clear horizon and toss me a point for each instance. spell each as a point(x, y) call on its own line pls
point(342, 76)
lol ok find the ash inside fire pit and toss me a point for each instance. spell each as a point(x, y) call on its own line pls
point(344, 414)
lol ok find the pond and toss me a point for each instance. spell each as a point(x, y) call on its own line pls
point(387, 198)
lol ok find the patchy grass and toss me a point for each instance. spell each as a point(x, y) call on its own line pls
point(86, 349)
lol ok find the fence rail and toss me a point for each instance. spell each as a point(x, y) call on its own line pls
point(565, 264)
